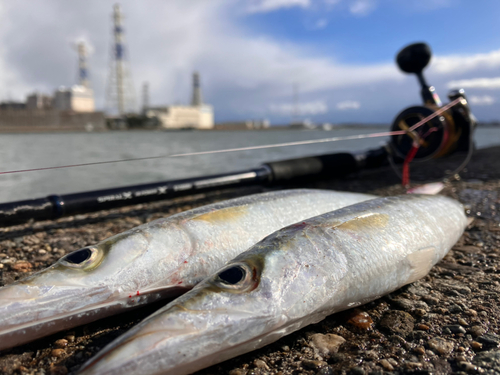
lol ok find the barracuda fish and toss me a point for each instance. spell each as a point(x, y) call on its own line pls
point(162, 259)
point(294, 277)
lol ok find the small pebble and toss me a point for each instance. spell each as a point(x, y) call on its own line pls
point(431, 300)
point(423, 327)
point(469, 367)
point(70, 338)
point(440, 345)
point(471, 312)
point(61, 343)
point(9, 261)
point(22, 266)
point(455, 309)
point(361, 320)
point(57, 353)
point(238, 371)
point(326, 344)
point(476, 345)
point(392, 361)
point(398, 322)
point(477, 331)
point(456, 328)
point(386, 365)
point(420, 312)
point(419, 350)
point(42, 251)
point(462, 322)
point(490, 340)
point(313, 365)
point(259, 363)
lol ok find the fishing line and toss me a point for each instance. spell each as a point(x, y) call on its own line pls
point(249, 148)
point(288, 144)
point(435, 114)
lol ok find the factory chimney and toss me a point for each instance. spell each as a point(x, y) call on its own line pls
point(83, 76)
point(197, 99)
point(145, 97)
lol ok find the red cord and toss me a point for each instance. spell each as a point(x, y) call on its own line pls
point(406, 164)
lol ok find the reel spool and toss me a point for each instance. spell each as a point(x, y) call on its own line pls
point(440, 136)
point(436, 138)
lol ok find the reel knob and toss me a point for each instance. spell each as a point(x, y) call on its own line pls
point(414, 58)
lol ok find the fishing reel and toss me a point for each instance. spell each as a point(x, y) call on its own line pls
point(431, 130)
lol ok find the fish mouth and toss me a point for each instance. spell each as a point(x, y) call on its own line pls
point(31, 312)
point(136, 347)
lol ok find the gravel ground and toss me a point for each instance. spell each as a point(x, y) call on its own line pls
point(448, 322)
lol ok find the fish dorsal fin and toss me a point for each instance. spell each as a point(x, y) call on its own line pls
point(364, 222)
point(420, 263)
point(223, 214)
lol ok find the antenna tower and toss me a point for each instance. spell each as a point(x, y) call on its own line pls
point(120, 96)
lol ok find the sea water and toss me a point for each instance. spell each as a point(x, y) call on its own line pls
point(26, 151)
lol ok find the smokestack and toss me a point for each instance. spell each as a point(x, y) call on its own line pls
point(197, 100)
point(83, 76)
point(145, 96)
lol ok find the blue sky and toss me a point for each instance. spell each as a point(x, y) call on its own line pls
point(251, 53)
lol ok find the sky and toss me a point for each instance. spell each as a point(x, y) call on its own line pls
point(336, 57)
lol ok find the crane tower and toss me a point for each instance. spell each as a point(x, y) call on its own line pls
point(120, 96)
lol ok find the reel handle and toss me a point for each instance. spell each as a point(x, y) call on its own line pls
point(413, 59)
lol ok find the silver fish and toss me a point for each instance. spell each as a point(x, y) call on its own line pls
point(158, 260)
point(294, 277)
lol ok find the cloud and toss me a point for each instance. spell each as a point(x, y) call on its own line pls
point(264, 6)
point(310, 108)
point(482, 100)
point(456, 64)
point(241, 71)
point(348, 104)
point(362, 7)
point(476, 83)
point(321, 24)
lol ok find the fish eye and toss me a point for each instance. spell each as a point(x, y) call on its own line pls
point(85, 259)
point(232, 275)
point(79, 256)
point(239, 277)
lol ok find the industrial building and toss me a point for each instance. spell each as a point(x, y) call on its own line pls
point(194, 116)
point(78, 98)
point(70, 108)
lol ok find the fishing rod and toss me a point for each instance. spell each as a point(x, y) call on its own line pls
point(418, 133)
point(272, 173)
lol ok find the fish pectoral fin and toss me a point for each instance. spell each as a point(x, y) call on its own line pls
point(364, 222)
point(421, 262)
